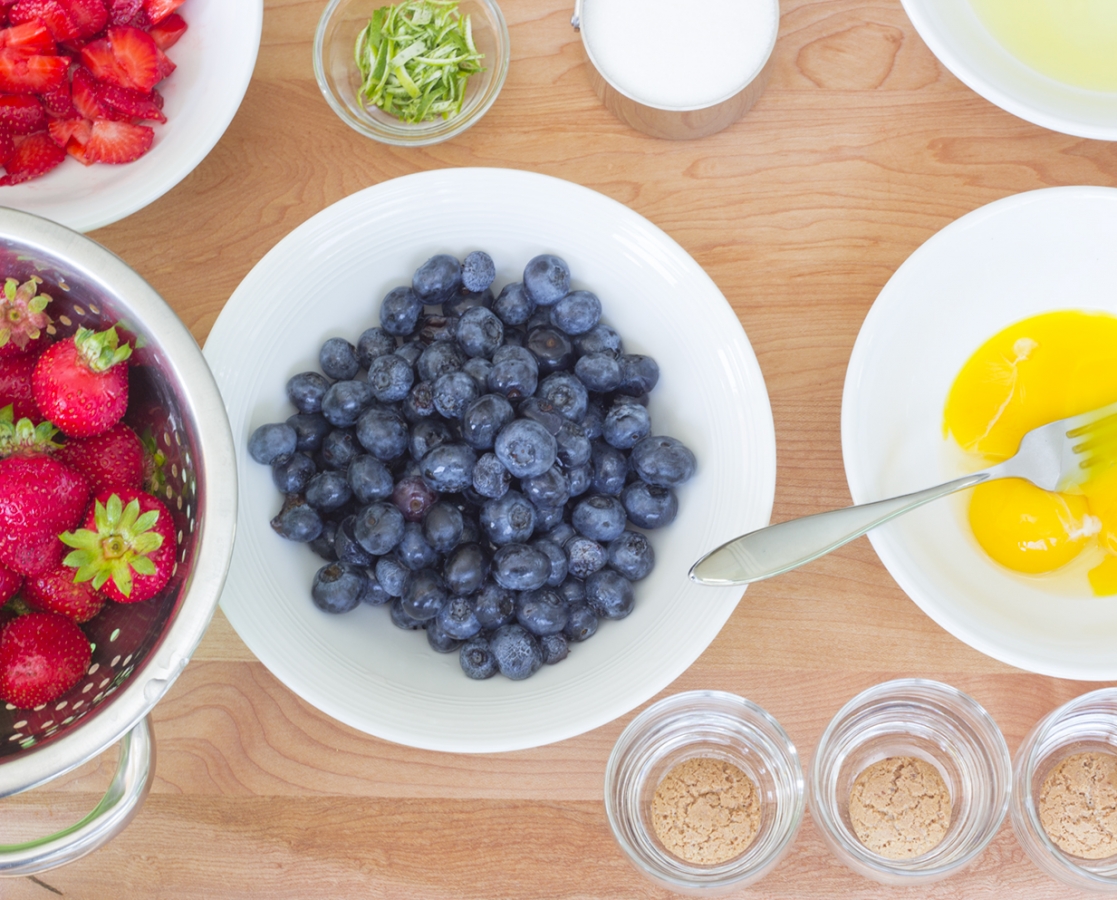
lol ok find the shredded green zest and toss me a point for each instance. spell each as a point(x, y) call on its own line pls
point(415, 59)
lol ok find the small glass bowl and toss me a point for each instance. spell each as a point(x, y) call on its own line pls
point(339, 79)
point(1087, 723)
point(929, 721)
point(715, 725)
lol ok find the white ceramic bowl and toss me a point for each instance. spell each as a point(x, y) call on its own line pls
point(214, 59)
point(326, 279)
point(1025, 254)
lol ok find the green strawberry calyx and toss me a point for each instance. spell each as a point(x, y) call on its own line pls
point(22, 312)
point(100, 350)
point(121, 543)
point(23, 437)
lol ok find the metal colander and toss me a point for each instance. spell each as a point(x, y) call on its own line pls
point(139, 648)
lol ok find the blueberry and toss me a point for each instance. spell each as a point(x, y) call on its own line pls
point(378, 527)
point(272, 443)
point(576, 313)
point(453, 392)
point(297, 521)
point(494, 606)
point(412, 496)
point(437, 279)
point(554, 648)
point(438, 359)
point(478, 271)
point(551, 348)
point(601, 338)
point(490, 478)
point(438, 328)
point(374, 593)
point(599, 517)
point(390, 378)
point(411, 350)
point(346, 547)
point(515, 372)
point(323, 545)
point(372, 343)
point(393, 576)
point(600, 372)
point(543, 411)
point(566, 394)
point(662, 461)
point(572, 447)
point(382, 432)
point(471, 528)
point(516, 652)
point(557, 558)
point(625, 425)
point(525, 448)
point(508, 519)
point(484, 418)
point(448, 468)
point(610, 469)
point(401, 618)
point(550, 489)
point(639, 374)
point(560, 534)
point(581, 623)
point(399, 311)
point(306, 391)
point(546, 279)
point(426, 434)
point(480, 332)
point(463, 301)
point(584, 556)
point(547, 517)
point(328, 490)
point(369, 479)
point(442, 526)
point(339, 449)
point(477, 659)
point(465, 569)
point(580, 479)
point(439, 639)
point(519, 567)
point(631, 554)
point(425, 596)
point(513, 306)
point(458, 619)
point(338, 359)
point(292, 475)
point(310, 430)
point(344, 402)
point(593, 421)
point(542, 611)
point(337, 587)
point(413, 550)
point(649, 506)
point(478, 368)
point(609, 594)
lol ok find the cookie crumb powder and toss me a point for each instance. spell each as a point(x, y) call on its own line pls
point(1078, 805)
point(706, 811)
point(900, 807)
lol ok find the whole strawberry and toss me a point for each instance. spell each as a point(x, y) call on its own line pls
point(113, 458)
point(9, 584)
point(126, 548)
point(56, 591)
point(81, 383)
point(42, 655)
point(39, 499)
point(15, 386)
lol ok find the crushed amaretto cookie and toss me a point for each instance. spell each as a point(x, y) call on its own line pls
point(706, 811)
point(900, 807)
point(1078, 805)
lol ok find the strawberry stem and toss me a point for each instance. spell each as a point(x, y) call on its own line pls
point(121, 543)
point(100, 350)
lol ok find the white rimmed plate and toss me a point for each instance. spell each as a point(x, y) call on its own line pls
point(326, 278)
point(1028, 253)
point(214, 59)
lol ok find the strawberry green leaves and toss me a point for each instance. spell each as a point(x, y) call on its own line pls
point(121, 543)
point(22, 312)
point(101, 350)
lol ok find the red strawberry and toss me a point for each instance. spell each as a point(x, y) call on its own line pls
point(7, 146)
point(21, 114)
point(158, 10)
point(65, 130)
point(166, 33)
point(127, 12)
point(124, 105)
point(49, 12)
point(29, 38)
point(9, 584)
point(22, 74)
point(126, 57)
point(58, 102)
point(88, 16)
point(126, 549)
point(39, 499)
point(24, 437)
point(118, 142)
point(23, 318)
point(114, 458)
point(57, 592)
point(81, 383)
point(42, 655)
point(84, 90)
point(15, 387)
point(35, 156)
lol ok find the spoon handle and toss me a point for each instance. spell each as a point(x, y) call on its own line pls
point(780, 548)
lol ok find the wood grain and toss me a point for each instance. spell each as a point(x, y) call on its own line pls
point(862, 147)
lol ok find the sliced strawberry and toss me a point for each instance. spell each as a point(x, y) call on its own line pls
point(21, 114)
point(118, 142)
point(167, 32)
point(36, 156)
point(136, 53)
point(62, 131)
point(121, 103)
point(22, 74)
point(158, 10)
point(88, 16)
point(49, 12)
point(42, 655)
point(127, 12)
point(7, 147)
point(30, 38)
point(85, 97)
point(57, 592)
point(166, 67)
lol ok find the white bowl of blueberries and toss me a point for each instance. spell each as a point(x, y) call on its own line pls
point(485, 458)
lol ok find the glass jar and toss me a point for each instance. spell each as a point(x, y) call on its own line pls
point(712, 725)
point(926, 720)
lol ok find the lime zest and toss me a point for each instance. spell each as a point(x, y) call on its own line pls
point(415, 59)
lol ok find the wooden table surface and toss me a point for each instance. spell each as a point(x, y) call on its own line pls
point(862, 147)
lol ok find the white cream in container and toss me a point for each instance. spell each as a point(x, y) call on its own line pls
point(678, 69)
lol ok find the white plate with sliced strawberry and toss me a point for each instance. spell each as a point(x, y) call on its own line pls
point(105, 105)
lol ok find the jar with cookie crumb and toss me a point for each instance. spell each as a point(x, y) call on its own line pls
point(704, 792)
point(910, 782)
point(1064, 800)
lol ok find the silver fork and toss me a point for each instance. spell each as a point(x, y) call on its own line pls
point(1055, 456)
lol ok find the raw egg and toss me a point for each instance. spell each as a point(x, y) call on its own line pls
point(1043, 368)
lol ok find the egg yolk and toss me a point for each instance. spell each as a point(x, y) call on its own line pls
point(1043, 368)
